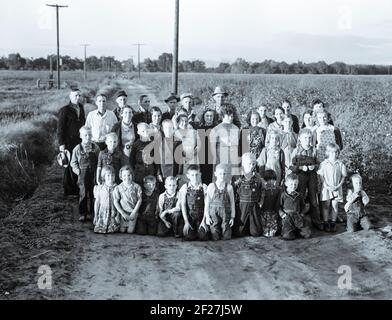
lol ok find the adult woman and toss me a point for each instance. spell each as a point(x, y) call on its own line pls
point(265, 121)
point(125, 130)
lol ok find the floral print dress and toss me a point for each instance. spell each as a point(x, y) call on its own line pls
point(107, 218)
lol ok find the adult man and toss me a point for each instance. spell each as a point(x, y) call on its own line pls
point(121, 100)
point(70, 119)
point(220, 98)
point(172, 103)
point(101, 121)
point(143, 112)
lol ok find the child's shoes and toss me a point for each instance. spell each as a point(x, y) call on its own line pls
point(332, 227)
point(327, 227)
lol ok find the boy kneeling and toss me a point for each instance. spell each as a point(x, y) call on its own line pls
point(292, 210)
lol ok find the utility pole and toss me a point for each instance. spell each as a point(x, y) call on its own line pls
point(138, 53)
point(85, 60)
point(58, 41)
point(175, 48)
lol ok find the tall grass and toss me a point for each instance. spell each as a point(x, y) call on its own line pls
point(361, 107)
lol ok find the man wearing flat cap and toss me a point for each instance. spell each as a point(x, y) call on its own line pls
point(121, 100)
point(70, 119)
point(220, 98)
point(172, 104)
point(187, 104)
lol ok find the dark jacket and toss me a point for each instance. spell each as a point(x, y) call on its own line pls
point(68, 126)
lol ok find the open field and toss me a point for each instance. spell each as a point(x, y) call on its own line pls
point(39, 227)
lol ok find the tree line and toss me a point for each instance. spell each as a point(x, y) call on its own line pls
point(15, 61)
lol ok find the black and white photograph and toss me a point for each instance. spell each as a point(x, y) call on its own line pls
point(196, 150)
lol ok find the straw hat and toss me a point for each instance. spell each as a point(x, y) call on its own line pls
point(219, 90)
point(186, 95)
point(63, 158)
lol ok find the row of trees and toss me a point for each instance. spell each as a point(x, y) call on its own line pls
point(15, 61)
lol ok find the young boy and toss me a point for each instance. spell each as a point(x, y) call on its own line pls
point(292, 210)
point(305, 164)
point(357, 200)
point(111, 156)
point(147, 220)
point(127, 200)
point(192, 196)
point(270, 208)
point(249, 191)
point(220, 205)
point(167, 148)
point(84, 165)
point(142, 155)
point(169, 210)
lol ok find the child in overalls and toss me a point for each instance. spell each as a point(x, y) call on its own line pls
point(357, 199)
point(192, 196)
point(292, 210)
point(305, 164)
point(84, 165)
point(270, 210)
point(169, 210)
point(220, 205)
point(111, 156)
point(147, 220)
point(250, 194)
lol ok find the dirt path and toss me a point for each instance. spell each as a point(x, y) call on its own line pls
point(90, 266)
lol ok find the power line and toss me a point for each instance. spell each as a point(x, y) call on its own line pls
point(58, 40)
point(138, 53)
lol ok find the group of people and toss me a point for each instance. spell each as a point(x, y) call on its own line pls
point(201, 174)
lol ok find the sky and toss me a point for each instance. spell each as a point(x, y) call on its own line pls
point(353, 31)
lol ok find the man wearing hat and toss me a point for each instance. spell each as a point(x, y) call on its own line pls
point(172, 103)
point(187, 104)
point(100, 121)
point(70, 119)
point(143, 112)
point(121, 100)
point(220, 98)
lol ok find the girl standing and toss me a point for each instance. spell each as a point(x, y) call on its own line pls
point(332, 172)
point(272, 157)
point(107, 219)
point(253, 136)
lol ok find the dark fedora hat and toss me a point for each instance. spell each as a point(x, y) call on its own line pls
point(172, 96)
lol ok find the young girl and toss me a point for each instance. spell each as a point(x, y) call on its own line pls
point(308, 120)
point(277, 125)
point(111, 156)
point(156, 123)
point(219, 207)
point(127, 200)
point(270, 208)
point(332, 172)
point(253, 137)
point(357, 200)
point(265, 121)
point(107, 218)
point(326, 133)
point(224, 141)
point(289, 142)
point(209, 120)
point(272, 157)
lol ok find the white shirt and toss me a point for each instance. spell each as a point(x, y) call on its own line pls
point(100, 125)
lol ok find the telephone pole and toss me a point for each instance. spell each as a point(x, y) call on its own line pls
point(85, 60)
point(138, 54)
point(58, 40)
point(175, 47)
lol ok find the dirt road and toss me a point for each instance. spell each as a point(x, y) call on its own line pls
point(89, 266)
